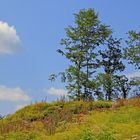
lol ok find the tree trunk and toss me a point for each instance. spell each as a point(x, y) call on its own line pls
point(78, 82)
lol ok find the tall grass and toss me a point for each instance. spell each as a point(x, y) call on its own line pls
point(74, 120)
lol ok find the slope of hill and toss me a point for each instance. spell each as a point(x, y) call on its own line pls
point(75, 120)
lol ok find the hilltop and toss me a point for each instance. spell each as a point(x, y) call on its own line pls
point(74, 120)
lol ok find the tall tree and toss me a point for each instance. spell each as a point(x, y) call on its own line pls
point(132, 52)
point(123, 85)
point(111, 63)
point(80, 45)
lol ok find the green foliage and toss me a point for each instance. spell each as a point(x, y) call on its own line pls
point(112, 56)
point(123, 85)
point(80, 49)
point(100, 120)
point(89, 135)
point(132, 52)
point(103, 135)
point(23, 136)
point(89, 47)
point(47, 116)
point(111, 62)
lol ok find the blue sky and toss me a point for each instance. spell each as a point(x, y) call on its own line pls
point(33, 28)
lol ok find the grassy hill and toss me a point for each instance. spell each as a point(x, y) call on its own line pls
point(74, 120)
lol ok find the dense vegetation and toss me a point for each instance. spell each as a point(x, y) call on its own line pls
point(96, 59)
point(74, 120)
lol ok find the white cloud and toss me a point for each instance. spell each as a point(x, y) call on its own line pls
point(12, 94)
point(55, 91)
point(9, 40)
point(134, 75)
point(19, 106)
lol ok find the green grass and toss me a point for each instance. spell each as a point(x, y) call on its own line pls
point(75, 120)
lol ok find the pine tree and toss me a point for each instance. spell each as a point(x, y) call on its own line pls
point(132, 52)
point(80, 49)
point(111, 63)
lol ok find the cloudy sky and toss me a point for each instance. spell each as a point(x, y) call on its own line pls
point(30, 32)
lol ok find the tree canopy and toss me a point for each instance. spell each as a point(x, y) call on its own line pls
point(96, 58)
